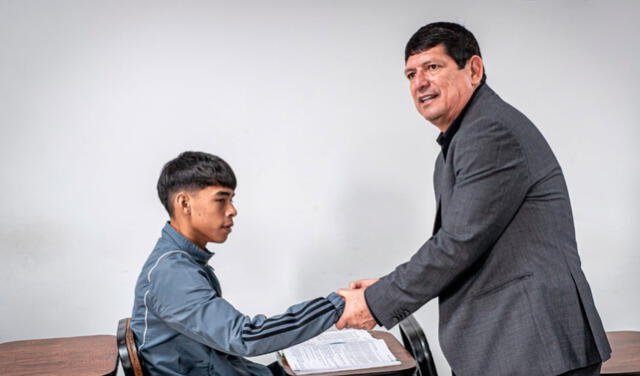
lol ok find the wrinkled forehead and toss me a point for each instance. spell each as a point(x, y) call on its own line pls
point(435, 54)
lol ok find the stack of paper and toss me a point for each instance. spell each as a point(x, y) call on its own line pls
point(339, 351)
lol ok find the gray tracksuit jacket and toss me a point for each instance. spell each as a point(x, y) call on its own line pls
point(183, 326)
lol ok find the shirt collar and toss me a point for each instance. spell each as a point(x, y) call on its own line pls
point(184, 244)
point(444, 138)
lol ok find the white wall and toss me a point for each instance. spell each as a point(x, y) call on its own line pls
point(307, 102)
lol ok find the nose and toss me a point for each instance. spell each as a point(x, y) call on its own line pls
point(420, 82)
point(232, 211)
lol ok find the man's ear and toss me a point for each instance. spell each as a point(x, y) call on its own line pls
point(476, 66)
point(182, 203)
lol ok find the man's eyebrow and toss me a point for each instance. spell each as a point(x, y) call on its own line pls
point(224, 193)
point(423, 63)
point(407, 70)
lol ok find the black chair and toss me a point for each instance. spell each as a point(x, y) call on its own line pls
point(127, 349)
point(416, 343)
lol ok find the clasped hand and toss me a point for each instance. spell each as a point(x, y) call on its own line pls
point(356, 314)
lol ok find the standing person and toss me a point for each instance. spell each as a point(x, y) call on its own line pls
point(503, 259)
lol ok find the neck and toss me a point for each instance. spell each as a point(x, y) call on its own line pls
point(184, 230)
point(445, 122)
point(443, 128)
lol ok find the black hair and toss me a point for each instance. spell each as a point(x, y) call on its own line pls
point(193, 170)
point(459, 43)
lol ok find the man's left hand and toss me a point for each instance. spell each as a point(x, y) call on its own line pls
point(356, 314)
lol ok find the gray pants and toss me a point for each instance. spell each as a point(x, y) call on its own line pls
point(593, 370)
point(276, 369)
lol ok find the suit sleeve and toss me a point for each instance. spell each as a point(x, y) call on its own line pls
point(181, 295)
point(491, 181)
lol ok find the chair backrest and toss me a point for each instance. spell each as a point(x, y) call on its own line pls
point(416, 342)
point(127, 349)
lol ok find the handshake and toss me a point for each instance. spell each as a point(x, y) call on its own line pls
point(356, 314)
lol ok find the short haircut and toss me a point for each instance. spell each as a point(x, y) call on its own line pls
point(459, 43)
point(193, 170)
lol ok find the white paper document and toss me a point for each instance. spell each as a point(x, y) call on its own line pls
point(338, 351)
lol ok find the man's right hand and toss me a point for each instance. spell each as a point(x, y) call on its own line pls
point(362, 283)
point(356, 313)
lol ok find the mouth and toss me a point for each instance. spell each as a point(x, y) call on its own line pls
point(427, 98)
point(227, 228)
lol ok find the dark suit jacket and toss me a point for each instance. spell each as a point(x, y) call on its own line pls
point(504, 263)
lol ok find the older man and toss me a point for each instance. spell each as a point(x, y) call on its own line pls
point(503, 259)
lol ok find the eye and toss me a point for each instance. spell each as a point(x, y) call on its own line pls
point(411, 75)
point(432, 67)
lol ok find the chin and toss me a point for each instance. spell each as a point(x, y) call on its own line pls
point(222, 239)
point(432, 116)
point(429, 114)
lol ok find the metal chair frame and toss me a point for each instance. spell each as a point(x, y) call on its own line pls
point(416, 342)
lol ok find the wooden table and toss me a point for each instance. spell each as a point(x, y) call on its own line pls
point(406, 367)
point(625, 354)
point(73, 356)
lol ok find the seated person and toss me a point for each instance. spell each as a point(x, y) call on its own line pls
point(182, 324)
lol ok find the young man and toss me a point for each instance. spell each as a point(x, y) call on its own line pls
point(183, 325)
